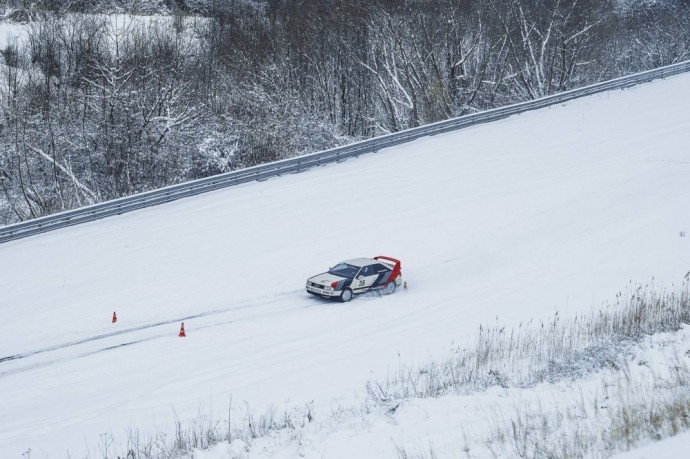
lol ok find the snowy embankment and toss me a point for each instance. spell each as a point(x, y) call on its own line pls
point(639, 397)
point(551, 211)
point(586, 387)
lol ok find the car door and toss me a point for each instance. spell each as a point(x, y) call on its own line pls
point(383, 275)
point(364, 279)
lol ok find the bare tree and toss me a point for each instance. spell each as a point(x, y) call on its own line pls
point(547, 42)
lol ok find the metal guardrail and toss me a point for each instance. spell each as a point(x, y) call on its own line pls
point(301, 163)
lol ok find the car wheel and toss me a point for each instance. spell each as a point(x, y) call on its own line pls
point(389, 288)
point(346, 295)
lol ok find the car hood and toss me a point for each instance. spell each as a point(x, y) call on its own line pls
point(325, 279)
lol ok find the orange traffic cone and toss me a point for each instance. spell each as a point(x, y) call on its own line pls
point(114, 317)
point(182, 333)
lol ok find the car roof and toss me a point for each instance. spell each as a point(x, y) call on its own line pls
point(359, 262)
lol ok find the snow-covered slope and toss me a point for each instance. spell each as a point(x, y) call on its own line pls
point(676, 447)
point(554, 210)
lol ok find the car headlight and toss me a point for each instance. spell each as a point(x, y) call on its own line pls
point(328, 287)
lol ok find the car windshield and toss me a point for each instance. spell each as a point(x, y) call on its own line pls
point(344, 270)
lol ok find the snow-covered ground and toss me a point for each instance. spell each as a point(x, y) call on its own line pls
point(11, 33)
point(562, 419)
point(676, 447)
point(553, 210)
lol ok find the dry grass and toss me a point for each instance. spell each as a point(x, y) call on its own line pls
point(544, 351)
point(530, 354)
point(635, 411)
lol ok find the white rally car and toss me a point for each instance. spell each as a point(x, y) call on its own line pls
point(355, 276)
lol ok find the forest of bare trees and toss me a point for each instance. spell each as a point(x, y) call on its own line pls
point(95, 107)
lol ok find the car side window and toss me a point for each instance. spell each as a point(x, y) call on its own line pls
point(379, 268)
point(366, 271)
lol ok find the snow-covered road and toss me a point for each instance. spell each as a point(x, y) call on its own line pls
point(553, 210)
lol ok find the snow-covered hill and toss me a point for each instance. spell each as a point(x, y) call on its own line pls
point(554, 210)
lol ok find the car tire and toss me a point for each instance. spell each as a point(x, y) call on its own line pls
point(346, 295)
point(389, 288)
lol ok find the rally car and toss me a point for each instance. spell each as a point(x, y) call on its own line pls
point(355, 276)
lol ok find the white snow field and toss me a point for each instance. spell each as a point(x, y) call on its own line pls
point(553, 210)
point(676, 447)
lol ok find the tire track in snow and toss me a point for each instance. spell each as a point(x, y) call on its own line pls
point(98, 351)
point(103, 336)
point(128, 331)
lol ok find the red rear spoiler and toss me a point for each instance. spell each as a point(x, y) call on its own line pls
point(398, 266)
